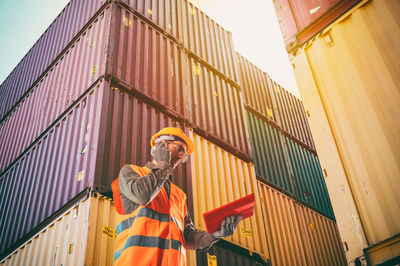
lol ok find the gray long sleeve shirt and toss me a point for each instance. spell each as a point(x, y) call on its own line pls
point(136, 190)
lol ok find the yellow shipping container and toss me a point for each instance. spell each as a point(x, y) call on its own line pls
point(83, 235)
point(349, 80)
point(218, 178)
point(296, 234)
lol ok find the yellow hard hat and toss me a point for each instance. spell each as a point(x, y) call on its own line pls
point(173, 131)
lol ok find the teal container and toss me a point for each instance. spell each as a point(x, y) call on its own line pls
point(268, 153)
point(286, 164)
point(310, 183)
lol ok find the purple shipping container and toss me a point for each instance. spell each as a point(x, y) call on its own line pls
point(78, 67)
point(178, 20)
point(63, 29)
point(55, 169)
point(147, 60)
point(166, 14)
point(85, 148)
point(143, 58)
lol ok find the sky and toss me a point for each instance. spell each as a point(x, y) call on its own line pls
point(253, 23)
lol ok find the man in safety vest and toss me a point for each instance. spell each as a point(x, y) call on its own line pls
point(153, 224)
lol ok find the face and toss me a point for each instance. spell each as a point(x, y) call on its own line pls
point(178, 151)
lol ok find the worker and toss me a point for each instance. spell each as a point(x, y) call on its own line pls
point(153, 224)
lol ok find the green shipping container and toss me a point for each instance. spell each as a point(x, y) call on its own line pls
point(310, 183)
point(287, 165)
point(268, 153)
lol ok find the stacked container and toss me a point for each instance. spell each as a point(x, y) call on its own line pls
point(345, 57)
point(283, 148)
point(126, 70)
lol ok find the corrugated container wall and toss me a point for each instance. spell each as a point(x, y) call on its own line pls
point(257, 90)
point(218, 178)
point(310, 183)
point(349, 78)
point(72, 74)
point(264, 96)
point(287, 165)
point(82, 235)
point(297, 235)
point(156, 67)
point(57, 167)
point(268, 152)
point(208, 41)
point(299, 21)
point(49, 46)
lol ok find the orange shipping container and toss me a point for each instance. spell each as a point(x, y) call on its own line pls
point(297, 235)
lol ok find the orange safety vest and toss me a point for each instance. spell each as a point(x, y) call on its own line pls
point(152, 234)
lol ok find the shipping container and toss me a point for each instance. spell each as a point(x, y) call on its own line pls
point(322, 237)
point(218, 177)
point(292, 116)
point(270, 161)
point(348, 79)
point(300, 21)
point(164, 14)
point(297, 235)
point(265, 96)
point(258, 94)
point(62, 85)
point(225, 253)
point(57, 167)
point(187, 26)
point(216, 107)
point(147, 60)
point(58, 37)
point(147, 63)
point(83, 235)
point(208, 41)
point(310, 183)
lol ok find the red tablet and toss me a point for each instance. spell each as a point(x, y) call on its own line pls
point(243, 206)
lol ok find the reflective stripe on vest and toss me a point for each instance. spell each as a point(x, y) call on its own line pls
point(149, 242)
